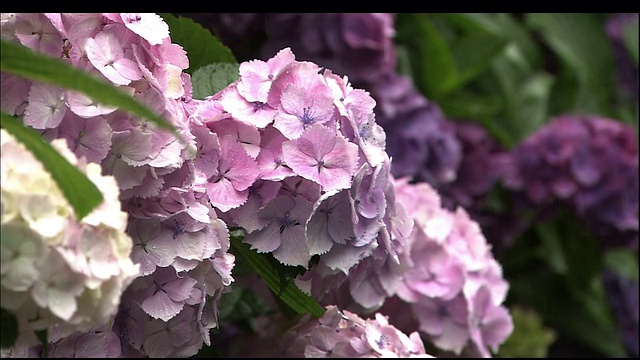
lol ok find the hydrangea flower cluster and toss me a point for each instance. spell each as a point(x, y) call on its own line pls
point(59, 274)
point(343, 334)
point(420, 140)
point(453, 283)
point(178, 242)
point(291, 153)
point(588, 163)
point(322, 182)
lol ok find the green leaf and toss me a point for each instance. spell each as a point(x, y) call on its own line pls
point(82, 194)
point(623, 261)
point(630, 36)
point(212, 78)
point(9, 329)
point(288, 292)
point(473, 54)
point(579, 40)
point(19, 60)
point(433, 66)
point(241, 304)
point(549, 295)
point(202, 47)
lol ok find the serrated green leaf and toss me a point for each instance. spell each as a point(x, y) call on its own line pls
point(298, 301)
point(19, 60)
point(630, 36)
point(212, 78)
point(202, 47)
point(9, 327)
point(82, 194)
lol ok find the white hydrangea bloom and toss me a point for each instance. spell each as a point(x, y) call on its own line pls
point(70, 273)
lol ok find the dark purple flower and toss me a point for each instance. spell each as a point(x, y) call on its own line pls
point(588, 163)
point(626, 67)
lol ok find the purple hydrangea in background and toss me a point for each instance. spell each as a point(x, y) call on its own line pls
point(626, 67)
point(622, 294)
point(588, 163)
point(420, 140)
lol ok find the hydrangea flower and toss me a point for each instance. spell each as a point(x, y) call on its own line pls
point(587, 163)
point(72, 273)
point(340, 333)
point(153, 176)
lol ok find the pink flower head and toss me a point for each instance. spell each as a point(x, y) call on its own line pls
point(228, 187)
point(246, 135)
point(285, 235)
point(129, 151)
point(270, 159)
point(149, 26)
point(163, 293)
point(35, 31)
point(444, 322)
point(107, 55)
point(330, 222)
point(149, 248)
point(435, 272)
point(322, 156)
point(46, 106)
point(490, 324)
point(257, 75)
point(15, 93)
point(255, 113)
point(86, 138)
point(305, 100)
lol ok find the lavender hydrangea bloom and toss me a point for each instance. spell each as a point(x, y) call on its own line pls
point(588, 163)
point(421, 142)
point(482, 165)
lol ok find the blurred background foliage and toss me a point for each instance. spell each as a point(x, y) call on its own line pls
point(569, 296)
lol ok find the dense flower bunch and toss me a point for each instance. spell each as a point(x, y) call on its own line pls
point(589, 163)
point(338, 334)
point(421, 141)
point(453, 284)
point(291, 153)
point(178, 242)
point(322, 183)
point(59, 274)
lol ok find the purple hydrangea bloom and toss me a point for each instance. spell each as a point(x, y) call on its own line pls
point(627, 69)
point(588, 163)
point(421, 142)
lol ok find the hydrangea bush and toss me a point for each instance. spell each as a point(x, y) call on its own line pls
point(290, 154)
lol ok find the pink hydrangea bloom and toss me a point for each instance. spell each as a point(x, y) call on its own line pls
point(321, 156)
